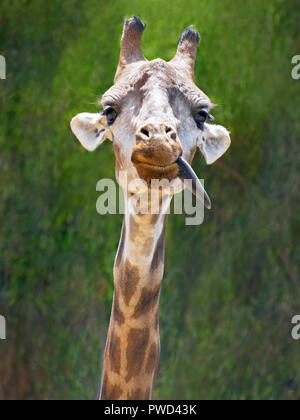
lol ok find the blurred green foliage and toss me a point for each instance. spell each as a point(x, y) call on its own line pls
point(231, 285)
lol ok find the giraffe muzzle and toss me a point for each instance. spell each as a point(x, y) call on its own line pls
point(157, 145)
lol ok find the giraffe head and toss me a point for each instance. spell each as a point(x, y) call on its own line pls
point(155, 115)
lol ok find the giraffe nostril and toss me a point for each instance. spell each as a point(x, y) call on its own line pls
point(156, 131)
point(145, 132)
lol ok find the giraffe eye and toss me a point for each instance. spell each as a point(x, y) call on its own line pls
point(201, 118)
point(110, 114)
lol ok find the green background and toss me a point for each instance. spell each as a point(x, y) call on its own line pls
point(231, 285)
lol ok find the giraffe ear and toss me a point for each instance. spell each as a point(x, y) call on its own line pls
point(214, 142)
point(90, 129)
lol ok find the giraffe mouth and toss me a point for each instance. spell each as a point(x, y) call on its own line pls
point(179, 169)
point(149, 171)
point(160, 169)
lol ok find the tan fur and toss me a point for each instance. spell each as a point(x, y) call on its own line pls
point(132, 350)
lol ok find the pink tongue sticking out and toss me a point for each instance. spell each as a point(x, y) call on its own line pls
point(187, 173)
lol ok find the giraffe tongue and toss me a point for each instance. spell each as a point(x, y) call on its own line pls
point(186, 173)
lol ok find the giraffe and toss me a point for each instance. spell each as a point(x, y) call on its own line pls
point(156, 117)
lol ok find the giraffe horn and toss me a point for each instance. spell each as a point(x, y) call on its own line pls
point(187, 50)
point(131, 42)
point(186, 173)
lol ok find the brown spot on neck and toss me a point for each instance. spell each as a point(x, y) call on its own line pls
point(128, 281)
point(117, 314)
point(115, 353)
point(147, 302)
point(138, 340)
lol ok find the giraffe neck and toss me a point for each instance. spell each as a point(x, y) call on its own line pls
point(133, 343)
